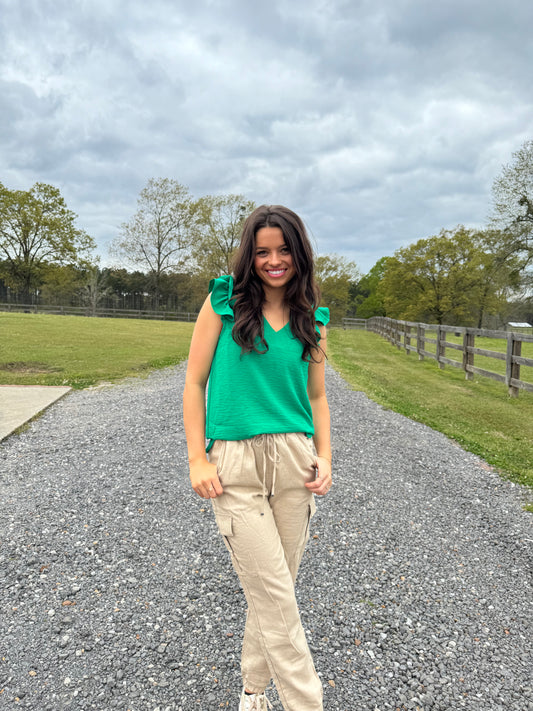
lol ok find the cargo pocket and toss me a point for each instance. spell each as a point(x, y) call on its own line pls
point(225, 526)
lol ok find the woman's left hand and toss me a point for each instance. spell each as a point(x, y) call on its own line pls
point(322, 484)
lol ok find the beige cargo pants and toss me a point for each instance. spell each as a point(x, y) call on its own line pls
point(263, 516)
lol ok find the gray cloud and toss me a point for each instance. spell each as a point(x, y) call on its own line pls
point(380, 123)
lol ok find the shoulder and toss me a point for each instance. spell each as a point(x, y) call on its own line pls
point(221, 292)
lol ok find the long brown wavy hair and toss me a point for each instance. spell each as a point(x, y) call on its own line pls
point(302, 294)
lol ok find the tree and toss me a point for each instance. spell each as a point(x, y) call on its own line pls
point(158, 236)
point(37, 229)
point(501, 272)
point(218, 227)
point(60, 283)
point(128, 288)
point(436, 279)
point(335, 276)
point(185, 291)
point(368, 297)
point(513, 190)
point(95, 289)
point(512, 194)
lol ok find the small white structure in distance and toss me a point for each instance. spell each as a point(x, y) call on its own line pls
point(512, 325)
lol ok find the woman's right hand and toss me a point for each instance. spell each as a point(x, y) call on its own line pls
point(204, 479)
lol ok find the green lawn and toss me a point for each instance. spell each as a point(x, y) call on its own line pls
point(494, 365)
point(478, 414)
point(39, 349)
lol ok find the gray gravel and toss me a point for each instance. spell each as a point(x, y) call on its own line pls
point(118, 594)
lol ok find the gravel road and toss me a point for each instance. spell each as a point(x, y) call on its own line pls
point(117, 593)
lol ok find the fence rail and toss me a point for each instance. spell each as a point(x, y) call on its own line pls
point(354, 323)
point(102, 313)
point(412, 337)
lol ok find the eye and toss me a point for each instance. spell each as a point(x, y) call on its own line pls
point(285, 250)
point(261, 253)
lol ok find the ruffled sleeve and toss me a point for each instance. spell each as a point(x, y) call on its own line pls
point(221, 290)
point(321, 316)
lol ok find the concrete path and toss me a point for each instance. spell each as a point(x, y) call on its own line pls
point(19, 403)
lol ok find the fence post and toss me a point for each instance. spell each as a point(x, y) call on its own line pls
point(512, 370)
point(440, 350)
point(420, 333)
point(468, 358)
point(407, 339)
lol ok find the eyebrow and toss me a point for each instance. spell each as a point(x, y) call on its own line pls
point(284, 244)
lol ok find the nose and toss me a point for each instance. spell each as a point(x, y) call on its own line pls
point(275, 258)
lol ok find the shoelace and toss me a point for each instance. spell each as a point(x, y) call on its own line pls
point(259, 703)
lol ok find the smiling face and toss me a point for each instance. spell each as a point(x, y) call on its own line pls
point(273, 261)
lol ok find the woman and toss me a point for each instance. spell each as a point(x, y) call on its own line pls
point(260, 339)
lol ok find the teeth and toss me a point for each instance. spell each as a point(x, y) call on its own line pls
point(276, 272)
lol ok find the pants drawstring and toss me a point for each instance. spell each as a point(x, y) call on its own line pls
point(270, 452)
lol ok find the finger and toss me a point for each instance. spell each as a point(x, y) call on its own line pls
point(315, 485)
point(213, 489)
point(217, 487)
point(203, 492)
point(319, 486)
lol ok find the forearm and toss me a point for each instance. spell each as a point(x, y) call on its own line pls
point(194, 420)
point(321, 422)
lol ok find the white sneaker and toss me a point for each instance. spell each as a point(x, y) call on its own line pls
point(254, 702)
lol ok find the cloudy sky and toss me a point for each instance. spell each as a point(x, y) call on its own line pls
point(380, 122)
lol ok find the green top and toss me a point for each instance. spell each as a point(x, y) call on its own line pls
point(256, 393)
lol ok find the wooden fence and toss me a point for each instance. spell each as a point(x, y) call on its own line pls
point(108, 313)
point(413, 338)
point(359, 323)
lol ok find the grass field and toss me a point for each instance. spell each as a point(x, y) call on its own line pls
point(78, 351)
point(494, 365)
point(478, 414)
point(38, 349)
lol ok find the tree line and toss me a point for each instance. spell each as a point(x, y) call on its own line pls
point(174, 244)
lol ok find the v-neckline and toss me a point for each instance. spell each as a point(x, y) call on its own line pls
point(272, 328)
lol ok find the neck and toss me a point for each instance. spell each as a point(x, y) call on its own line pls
point(274, 298)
